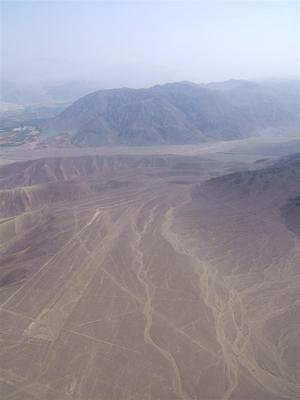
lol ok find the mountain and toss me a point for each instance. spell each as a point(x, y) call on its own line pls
point(177, 113)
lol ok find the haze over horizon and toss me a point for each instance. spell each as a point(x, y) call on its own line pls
point(139, 44)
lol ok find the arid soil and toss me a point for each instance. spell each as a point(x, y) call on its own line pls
point(141, 278)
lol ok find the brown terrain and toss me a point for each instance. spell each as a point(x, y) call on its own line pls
point(149, 278)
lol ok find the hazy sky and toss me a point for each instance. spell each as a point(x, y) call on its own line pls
point(142, 43)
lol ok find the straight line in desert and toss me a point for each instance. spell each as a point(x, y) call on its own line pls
point(51, 320)
point(95, 215)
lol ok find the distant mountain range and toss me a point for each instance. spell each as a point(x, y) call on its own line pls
point(29, 94)
point(178, 113)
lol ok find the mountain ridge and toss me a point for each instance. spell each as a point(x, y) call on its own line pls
point(177, 113)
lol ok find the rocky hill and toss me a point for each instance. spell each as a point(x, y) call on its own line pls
point(177, 113)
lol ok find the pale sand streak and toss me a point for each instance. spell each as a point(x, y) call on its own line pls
point(147, 309)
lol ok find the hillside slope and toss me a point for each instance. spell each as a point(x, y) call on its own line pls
point(177, 113)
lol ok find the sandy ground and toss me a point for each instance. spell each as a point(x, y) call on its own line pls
point(240, 149)
point(129, 280)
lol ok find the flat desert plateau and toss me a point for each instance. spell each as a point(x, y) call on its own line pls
point(150, 277)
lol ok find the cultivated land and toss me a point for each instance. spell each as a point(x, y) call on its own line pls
point(137, 277)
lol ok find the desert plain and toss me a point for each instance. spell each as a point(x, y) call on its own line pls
point(149, 277)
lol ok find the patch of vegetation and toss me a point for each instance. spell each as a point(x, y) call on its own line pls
point(18, 136)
